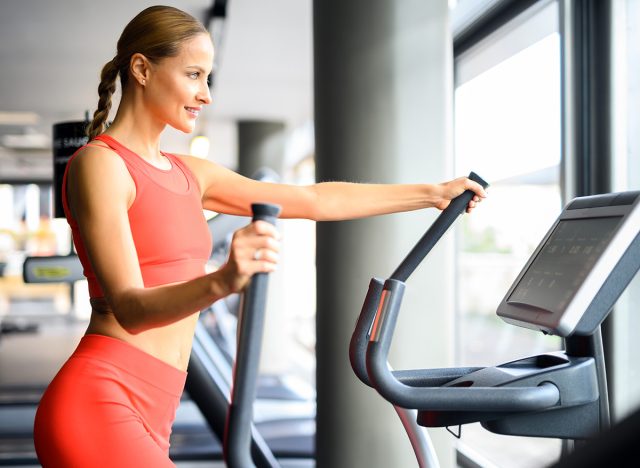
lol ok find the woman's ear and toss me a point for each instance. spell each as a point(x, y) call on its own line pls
point(139, 67)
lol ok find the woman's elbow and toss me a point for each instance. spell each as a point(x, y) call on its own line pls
point(132, 327)
point(128, 313)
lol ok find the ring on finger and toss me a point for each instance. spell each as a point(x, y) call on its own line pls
point(257, 255)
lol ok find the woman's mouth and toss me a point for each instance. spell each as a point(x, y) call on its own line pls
point(193, 111)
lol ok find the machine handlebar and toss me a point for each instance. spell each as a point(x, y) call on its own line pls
point(374, 330)
point(237, 440)
point(436, 231)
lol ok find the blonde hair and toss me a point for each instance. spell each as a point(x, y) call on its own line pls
point(156, 32)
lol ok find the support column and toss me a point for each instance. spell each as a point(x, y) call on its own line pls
point(260, 144)
point(383, 104)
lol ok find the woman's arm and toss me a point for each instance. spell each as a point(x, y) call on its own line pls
point(228, 192)
point(100, 191)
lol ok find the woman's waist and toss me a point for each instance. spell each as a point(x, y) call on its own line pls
point(171, 343)
point(127, 359)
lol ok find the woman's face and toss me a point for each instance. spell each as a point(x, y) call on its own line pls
point(177, 87)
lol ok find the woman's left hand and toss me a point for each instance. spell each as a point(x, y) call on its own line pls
point(450, 190)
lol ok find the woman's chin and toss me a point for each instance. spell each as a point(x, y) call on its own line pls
point(184, 128)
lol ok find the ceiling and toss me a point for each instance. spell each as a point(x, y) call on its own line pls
point(51, 54)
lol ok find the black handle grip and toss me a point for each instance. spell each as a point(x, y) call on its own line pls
point(436, 231)
point(237, 441)
point(265, 212)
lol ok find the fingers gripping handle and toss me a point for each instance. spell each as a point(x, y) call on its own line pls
point(459, 204)
point(237, 443)
point(442, 223)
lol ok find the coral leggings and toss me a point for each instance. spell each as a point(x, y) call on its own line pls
point(111, 405)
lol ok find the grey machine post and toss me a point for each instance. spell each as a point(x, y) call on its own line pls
point(567, 288)
point(239, 435)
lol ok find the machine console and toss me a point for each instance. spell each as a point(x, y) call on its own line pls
point(580, 268)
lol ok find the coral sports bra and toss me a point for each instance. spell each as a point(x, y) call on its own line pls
point(169, 230)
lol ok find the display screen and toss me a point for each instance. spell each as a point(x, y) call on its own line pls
point(563, 263)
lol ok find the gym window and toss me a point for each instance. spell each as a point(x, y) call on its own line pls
point(625, 378)
point(508, 129)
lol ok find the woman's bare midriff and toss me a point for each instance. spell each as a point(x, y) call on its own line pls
point(170, 343)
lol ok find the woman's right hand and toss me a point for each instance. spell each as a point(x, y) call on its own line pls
point(254, 249)
point(450, 190)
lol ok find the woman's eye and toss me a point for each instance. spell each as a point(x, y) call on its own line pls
point(194, 75)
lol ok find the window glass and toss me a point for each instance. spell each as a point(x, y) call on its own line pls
point(508, 130)
point(626, 163)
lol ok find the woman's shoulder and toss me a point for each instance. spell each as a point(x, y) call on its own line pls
point(191, 160)
point(200, 166)
point(98, 169)
point(97, 156)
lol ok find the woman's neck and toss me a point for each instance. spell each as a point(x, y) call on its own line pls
point(135, 129)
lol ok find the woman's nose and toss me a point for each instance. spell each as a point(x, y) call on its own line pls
point(204, 95)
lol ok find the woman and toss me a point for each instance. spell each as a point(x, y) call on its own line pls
point(137, 224)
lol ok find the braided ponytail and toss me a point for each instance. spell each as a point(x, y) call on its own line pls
point(105, 90)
